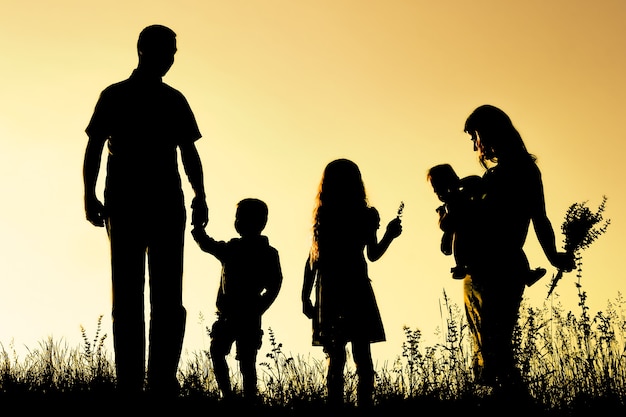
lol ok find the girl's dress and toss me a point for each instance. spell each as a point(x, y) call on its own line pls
point(345, 305)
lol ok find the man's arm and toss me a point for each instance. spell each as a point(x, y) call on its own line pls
point(193, 169)
point(94, 209)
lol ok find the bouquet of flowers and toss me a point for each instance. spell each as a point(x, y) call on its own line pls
point(581, 228)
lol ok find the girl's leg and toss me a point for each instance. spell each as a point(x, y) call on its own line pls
point(362, 355)
point(336, 356)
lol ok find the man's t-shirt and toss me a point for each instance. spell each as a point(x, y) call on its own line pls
point(144, 122)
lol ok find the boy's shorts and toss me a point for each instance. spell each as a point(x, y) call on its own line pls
point(245, 333)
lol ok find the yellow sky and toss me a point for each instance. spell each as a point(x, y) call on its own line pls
point(279, 88)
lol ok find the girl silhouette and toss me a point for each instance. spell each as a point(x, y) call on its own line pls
point(345, 309)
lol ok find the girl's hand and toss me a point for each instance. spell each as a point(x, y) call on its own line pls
point(394, 228)
point(308, 309)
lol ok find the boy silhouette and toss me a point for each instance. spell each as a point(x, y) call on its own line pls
point(250, 281)
point(457, 217)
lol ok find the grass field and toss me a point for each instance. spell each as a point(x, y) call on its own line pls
point(573, 363)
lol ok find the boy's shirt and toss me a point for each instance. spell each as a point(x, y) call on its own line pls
point(251, 274)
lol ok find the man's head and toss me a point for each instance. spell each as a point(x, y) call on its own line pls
point(251, 217)
point(156, 47)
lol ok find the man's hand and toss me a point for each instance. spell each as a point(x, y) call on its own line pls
point(95, 211)
point(199, 212)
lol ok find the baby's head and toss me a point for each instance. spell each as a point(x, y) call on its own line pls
point(444, 180)
point(251, 217)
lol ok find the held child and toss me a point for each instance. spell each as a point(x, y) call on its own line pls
point(250, 281)
point(461, 199)
point(345, 310)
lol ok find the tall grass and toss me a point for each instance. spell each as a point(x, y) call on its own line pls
point(54, 368)
point(569, 361)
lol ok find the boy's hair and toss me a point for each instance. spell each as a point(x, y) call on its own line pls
point(252, 214)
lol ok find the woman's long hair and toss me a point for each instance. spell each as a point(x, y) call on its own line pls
point(341, 194)
point(499, 137)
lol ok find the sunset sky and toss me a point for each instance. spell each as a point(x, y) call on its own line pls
point(279, 89)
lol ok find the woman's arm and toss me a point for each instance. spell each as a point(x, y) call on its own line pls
point(545, 231)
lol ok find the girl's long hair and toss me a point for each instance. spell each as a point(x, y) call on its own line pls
point(499, 137)
point(340, 195)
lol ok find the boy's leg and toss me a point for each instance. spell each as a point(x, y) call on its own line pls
point(248, 344)
point(247, 364)
point(221, 343)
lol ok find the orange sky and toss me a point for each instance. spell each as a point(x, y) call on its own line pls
point(280, 88)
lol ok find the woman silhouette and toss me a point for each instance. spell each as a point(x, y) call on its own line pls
point(494, 288)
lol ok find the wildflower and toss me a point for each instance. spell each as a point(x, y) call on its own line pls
point(580, 230)
point(400, 209)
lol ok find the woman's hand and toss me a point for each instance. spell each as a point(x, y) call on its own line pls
point(564, 261)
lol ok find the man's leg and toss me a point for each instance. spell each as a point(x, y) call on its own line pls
point(167, 314)
point(128, 280)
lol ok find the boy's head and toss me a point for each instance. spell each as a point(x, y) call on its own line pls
point(251, 216)
point(444, 180)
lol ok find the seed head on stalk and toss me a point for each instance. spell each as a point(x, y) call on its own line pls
point(400, 209)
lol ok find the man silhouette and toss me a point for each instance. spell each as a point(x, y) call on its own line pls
point(145, 123)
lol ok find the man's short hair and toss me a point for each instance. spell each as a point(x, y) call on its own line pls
point(154, 37)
